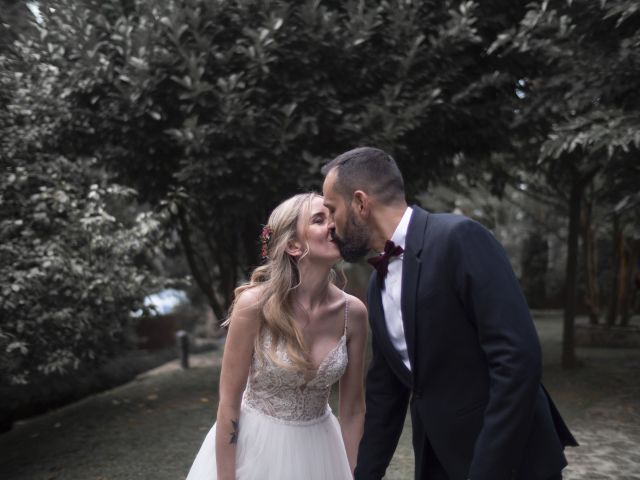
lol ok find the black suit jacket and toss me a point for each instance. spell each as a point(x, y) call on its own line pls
point(475, 361)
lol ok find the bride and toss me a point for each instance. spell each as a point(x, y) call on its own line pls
point(292, 335)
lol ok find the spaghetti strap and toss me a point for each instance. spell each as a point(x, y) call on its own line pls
point(346, 312)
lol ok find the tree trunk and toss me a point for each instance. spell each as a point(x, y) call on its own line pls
point(634, 299)
point(199, 271)
point(535, 257)
point(569, 359)
point(614, 295)
point(589, 258)
point(626, 300)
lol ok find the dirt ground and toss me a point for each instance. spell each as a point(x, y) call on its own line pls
point(151, 428)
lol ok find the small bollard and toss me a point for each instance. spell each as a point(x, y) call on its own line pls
point(182, 339)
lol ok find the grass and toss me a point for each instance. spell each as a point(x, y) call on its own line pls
point(152, 427)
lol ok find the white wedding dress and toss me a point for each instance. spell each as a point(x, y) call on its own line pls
point(286, 429)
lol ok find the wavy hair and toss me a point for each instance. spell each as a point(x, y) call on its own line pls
point(278, 277)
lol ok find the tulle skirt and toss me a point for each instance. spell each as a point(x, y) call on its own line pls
point(272, 449)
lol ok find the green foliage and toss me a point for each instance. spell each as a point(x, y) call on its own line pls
point(577, 116)
point(215, 111)
point(69, 282)
point(219, 110)
point(579, 99)
point(70, 271)
point(578, 119)
point(15, 19)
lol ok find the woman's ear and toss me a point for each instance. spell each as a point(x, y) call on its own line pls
point(361, 204)
point(294, 249)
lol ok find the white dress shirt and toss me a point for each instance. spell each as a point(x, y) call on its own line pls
point(392, 291)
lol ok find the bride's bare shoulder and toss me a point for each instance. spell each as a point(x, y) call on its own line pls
point(250, 295)
point(247, 306)
point(357, 309)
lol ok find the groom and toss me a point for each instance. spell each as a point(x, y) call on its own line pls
point(452, 337)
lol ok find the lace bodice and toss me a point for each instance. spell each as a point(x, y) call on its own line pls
point(289, 395)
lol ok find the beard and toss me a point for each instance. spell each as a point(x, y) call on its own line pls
point(354, 244)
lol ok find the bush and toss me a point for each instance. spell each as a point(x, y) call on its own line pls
point(68, 279)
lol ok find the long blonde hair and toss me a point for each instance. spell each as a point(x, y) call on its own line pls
point(278, 277)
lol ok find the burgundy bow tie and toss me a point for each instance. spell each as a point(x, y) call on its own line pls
point(381, 262)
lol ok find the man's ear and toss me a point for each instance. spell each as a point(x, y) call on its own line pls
point(294, 249)
point(361, 203)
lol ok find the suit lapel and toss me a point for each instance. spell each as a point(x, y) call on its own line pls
point(411, 276)
point(378, 324)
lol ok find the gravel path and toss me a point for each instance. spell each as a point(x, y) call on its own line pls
point(600, 402)
point(607, 451)
point(151, 428)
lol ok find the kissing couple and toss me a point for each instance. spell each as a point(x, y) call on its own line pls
point(452, 341)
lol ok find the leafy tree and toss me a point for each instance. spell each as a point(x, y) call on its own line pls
point(15, 19)
point(219, 110)
point(69, 282)
point(578, 108)
point(216, 111)
point(68, 272)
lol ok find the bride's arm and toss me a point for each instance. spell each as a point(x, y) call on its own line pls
point(352, 406)
point(236, 361)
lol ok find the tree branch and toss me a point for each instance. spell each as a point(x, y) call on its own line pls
point(205, 284)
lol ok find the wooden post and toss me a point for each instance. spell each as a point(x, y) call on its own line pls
point(182, 340)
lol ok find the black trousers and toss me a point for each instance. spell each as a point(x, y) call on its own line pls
point(428, 466)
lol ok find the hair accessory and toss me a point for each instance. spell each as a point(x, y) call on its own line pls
point(265, 236)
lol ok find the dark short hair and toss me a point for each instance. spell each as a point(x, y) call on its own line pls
point(368, 169)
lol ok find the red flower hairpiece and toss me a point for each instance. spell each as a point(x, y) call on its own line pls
point(265, 236)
